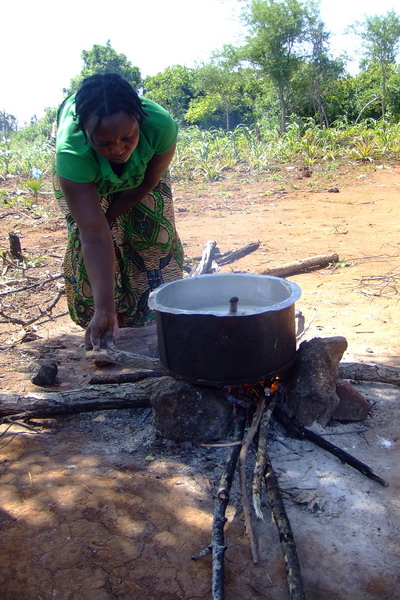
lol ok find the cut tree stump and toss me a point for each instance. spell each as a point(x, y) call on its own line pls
point(15, 247)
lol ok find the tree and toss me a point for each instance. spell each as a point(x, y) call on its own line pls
point(7, 123)
point(104, 59)
point(317, 74)
point(321, 66)
point(218, 90)
point(173, 89)
point(277, 30)
point(381, 40)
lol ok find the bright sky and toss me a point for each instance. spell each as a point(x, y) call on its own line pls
point(41, 41)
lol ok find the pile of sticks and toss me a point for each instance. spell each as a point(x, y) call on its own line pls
point(263, 473)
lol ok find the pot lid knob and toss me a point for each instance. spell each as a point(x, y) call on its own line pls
point(233, 302)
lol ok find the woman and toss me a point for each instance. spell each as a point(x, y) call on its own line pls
point(113, 151)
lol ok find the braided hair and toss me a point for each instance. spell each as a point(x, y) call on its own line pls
point(103, 95)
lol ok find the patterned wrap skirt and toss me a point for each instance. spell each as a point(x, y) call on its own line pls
point(148, 252)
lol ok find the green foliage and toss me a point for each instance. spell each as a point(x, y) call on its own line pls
point(8, 123)
point(277, 30)
point(19, 158)
point(40, 130)
point(173, 89)
point(104, 59)
point(35, 186)
point(381, 39)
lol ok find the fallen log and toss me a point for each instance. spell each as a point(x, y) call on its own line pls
point(88, 399)
point(369, 372)
point(180, 409)
point(302, 266)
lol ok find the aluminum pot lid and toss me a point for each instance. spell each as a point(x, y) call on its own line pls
point(225, 294)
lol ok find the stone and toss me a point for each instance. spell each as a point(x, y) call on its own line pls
point(42, 372)
point(353, 406)
point(310, 385)
point(185, 412)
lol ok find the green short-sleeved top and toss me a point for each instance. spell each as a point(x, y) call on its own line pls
point(77, 161)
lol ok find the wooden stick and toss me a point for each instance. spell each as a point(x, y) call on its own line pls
point(212, 255)
point(206, 260)
point(227, 258)
point(288, 545)
point(242, 471)
point(369, 372)
point(217, 547)
point(218, 538)
point(42, 312)
point(260, 464)
point(302, 266)
point(294, 427)
point(130, 377)
point(105, 356)
point(33, 285)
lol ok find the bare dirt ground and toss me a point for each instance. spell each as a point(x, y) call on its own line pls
point(96, 506)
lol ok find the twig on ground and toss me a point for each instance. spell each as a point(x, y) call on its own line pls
point(217, 546)
point(263, 469)
point(302, 332)
point(33, 285)
point(294, 427)
point(42, 312)
point(288, 545)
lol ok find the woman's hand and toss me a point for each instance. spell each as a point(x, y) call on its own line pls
point(99, 257)
point(100, 331)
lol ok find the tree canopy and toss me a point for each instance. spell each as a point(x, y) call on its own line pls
point(283, 71)
point(104, 59)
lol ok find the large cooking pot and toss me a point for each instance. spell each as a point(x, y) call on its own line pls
point(226, 329)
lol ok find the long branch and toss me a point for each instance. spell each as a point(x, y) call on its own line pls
point(217, 547)
point(298, 430)
point(223, 495)
point(288, 545)
point(261, 457)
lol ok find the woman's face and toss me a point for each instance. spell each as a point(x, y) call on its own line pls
point(115, 137)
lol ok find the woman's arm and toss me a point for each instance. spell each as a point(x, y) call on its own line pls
point(155, 169)
point(98, 254)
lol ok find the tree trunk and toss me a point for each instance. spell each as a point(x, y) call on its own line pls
point(282, 103)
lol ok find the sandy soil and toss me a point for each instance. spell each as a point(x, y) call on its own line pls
point(95, 506)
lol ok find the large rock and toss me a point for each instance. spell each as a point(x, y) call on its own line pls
point(311, 384)
point(186, 412)
point(43, 372)
point(353, 406)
